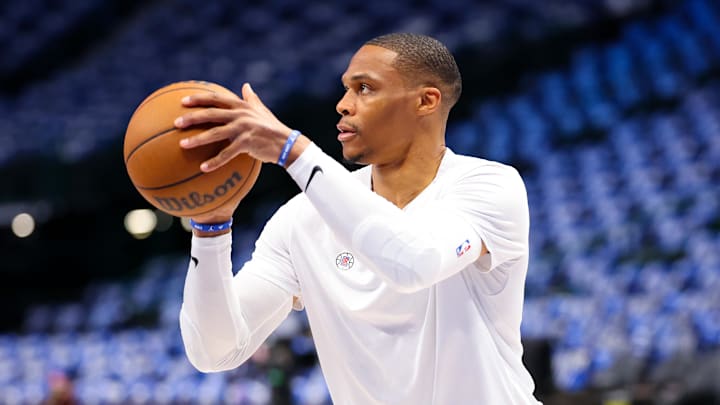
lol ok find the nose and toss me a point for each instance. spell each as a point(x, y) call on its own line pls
point(346, 105)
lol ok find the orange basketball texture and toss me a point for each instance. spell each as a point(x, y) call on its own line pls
point(168, 176)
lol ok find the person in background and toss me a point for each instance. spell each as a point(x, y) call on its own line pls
point(61, 390)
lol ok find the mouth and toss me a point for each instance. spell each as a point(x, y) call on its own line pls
point(347, 131)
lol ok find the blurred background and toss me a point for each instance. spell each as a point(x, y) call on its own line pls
point(610, 109)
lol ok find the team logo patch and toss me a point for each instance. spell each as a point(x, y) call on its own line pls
point(344, 261)
point(464, 247)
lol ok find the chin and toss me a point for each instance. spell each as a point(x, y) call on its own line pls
point(354, 157)
point(355, 160)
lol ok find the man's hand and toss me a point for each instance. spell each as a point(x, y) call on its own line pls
point(246, 122)
point(249, 126)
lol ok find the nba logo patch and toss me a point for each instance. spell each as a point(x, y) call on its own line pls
point(464, 247)
point(344, 261)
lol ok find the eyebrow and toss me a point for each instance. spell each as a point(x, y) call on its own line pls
point(358, 77)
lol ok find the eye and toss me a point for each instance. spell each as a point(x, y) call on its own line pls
point(363, 88)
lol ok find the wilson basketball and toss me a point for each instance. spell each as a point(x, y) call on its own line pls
point(168, 176)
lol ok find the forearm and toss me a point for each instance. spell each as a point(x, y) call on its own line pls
point(224, 320)
point(409, 253)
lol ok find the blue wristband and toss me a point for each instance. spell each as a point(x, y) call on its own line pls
point(211, 227)
point(294, 134)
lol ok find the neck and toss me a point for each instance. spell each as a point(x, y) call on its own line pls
point(401, 181)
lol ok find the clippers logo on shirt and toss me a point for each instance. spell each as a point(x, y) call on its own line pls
point(344, 261)
point(464, 247)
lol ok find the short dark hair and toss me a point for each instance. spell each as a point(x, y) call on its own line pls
point(425, 58)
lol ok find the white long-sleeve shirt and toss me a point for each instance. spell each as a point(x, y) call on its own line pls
point(402, 307)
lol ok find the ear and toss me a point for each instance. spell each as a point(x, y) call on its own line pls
point(429, 100)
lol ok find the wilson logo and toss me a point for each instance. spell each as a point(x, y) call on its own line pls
point(196, 200)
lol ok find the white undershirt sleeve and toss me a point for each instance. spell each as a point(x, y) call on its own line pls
point(409, 252)
point(225, 318)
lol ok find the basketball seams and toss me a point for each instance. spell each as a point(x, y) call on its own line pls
point(160, 93)
point(148, 139)
point(139, 149)
point(173, 184)
point(154, 96)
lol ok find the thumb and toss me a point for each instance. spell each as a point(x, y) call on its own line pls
point(249, 95)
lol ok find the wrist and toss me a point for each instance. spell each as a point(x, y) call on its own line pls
point(298, 148)
point(211, 227)
point(294, 145)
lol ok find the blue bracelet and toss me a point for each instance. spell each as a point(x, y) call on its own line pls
point(294, 134)
point(211, 227)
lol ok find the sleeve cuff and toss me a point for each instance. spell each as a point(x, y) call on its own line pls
point(301, 169)
point(222, 240)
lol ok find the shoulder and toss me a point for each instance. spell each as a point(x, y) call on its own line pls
point(457, 167)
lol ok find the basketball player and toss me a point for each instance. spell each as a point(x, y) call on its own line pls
point(411, 268)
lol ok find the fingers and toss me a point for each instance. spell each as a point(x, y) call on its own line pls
point(216, 134)
point(211, 135)
point(205, 116)
point(211, 99)
point(225, 155)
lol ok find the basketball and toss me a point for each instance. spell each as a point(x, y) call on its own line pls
point(168, 176)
